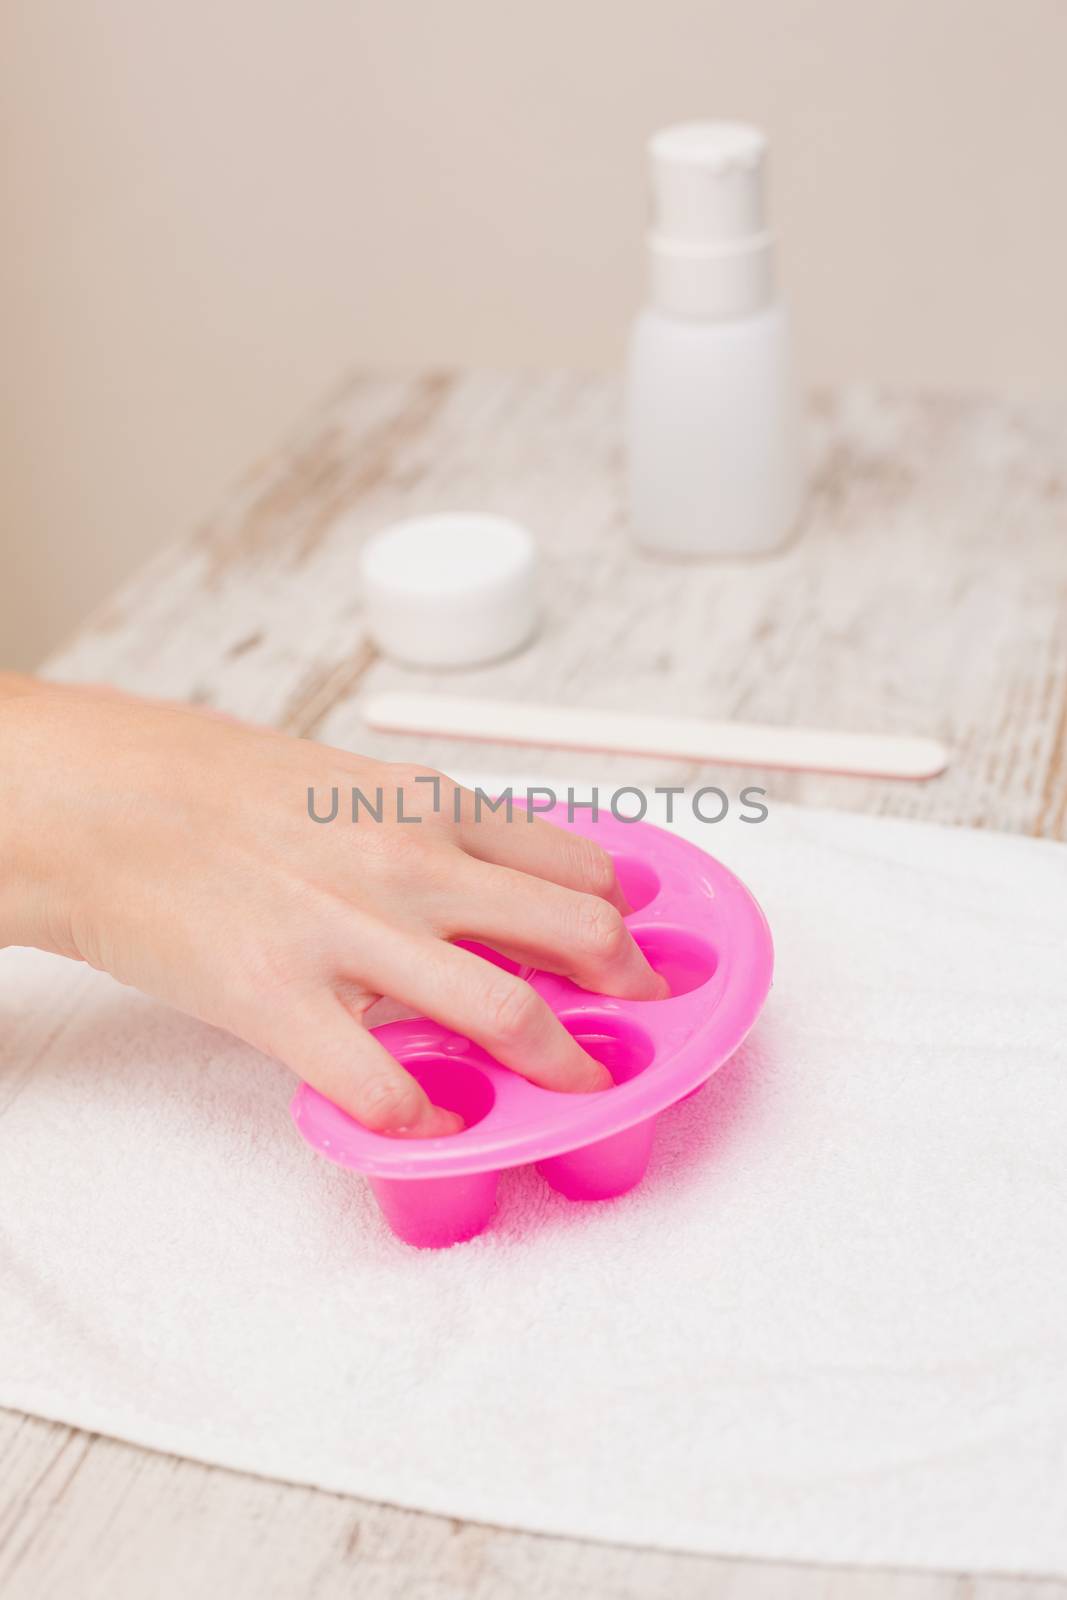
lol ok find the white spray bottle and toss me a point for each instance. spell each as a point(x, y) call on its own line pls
point(713, 432)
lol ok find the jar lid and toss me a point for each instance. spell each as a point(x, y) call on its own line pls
point(452, 589)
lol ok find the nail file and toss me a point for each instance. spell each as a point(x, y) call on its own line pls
point(860, 755)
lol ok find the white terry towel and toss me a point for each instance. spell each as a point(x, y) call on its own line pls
point(831, 1325)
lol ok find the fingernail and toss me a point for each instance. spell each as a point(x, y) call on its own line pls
point(434, 1122)
point(655, 986)
point(597, 1079)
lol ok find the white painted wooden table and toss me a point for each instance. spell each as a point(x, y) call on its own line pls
point(926, 594)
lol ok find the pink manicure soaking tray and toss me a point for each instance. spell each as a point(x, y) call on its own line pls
point(698, 926)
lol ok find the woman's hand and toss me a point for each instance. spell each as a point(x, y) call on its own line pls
point(175, 850)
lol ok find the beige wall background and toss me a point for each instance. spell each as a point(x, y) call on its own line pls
point(210, 210)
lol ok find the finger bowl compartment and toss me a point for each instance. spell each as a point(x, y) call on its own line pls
point(433, 1213)
point(604, 1169)
point(699, 927)
point(607, 1167)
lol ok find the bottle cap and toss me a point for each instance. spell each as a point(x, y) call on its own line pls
point(711, 251)
point(449, 590)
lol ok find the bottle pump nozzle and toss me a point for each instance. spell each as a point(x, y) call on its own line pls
point(711, 252)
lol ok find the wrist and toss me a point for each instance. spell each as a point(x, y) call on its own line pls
point(17, 685)
point(34, 907)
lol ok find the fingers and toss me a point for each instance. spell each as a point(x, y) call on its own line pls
point(528, 844)
point(579, 935)
point(494, 1008)
point(324, 1045)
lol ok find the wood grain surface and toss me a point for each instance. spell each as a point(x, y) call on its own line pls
point(926, 592)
